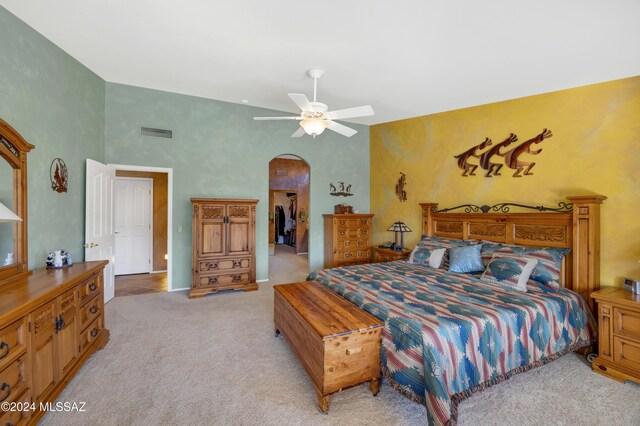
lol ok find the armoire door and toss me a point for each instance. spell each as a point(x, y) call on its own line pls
point(240, 229)
point(211, 235)
point(68, 333)
point(43, 333)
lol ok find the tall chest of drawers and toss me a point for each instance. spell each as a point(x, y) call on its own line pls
point(347, 239)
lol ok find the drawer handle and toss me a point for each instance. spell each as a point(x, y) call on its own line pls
point(6, 348)
point(3, 387)
point(602, 367)
point(353, 351)
point(92, 287)
point(213, 280)
point(237, 278)
point(94, 332)
point(93, 309)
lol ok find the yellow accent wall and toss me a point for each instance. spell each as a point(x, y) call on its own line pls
point(595, 149)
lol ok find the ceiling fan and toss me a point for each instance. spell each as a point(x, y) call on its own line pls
point(314, 117)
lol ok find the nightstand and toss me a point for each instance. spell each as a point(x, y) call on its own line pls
point(387, 255)
point(618, 334)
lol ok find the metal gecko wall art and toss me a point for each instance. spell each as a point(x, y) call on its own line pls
point(511, 157)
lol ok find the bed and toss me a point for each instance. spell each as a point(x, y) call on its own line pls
point(448, 335)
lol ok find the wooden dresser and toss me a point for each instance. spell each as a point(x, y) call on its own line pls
point(347, 239)
point(618, 334)
point(224, 245)
point(50, 323)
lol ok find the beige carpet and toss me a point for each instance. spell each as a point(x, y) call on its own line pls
point(215, 360)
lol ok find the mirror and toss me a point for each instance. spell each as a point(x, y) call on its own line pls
point(13, 196)
point(7, 229)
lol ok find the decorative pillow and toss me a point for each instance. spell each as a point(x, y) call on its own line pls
point(431, 257)
point(447, 243)
point(466, 259)
point(510, 271)
point(547, 271)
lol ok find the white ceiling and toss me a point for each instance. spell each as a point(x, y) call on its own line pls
point(405, 58)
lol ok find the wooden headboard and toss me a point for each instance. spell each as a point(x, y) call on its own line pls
point(574, 224)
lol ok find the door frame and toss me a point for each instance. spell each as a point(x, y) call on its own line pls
point(169, 172)
point(151, 271)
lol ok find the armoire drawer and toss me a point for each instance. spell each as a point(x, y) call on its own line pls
point(91, 333)
point(225, 265)
point(223, 280)
point(12, 341)
point(13, 379)
point(89, 289)
point(90, 311)
point(17, 418)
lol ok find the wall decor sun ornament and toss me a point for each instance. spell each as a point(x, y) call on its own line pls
point(59, 175)
point(511, 157)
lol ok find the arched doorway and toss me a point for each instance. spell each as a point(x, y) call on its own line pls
point(288, 217)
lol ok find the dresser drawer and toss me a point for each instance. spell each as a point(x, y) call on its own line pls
point(15, 417)
point(351, 255)
point(225, 265)
point(355, 244)
point(626, 323)
point(626, 352)
point(91, 333)
point(222, 281)
point(12, 341)
point(13, 379)
point(89, 289)
point(90, 311)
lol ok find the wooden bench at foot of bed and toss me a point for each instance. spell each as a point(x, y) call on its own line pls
point(337, 343)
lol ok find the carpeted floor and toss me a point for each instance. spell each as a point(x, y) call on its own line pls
point(215, 360)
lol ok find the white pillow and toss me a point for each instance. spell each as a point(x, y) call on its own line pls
point(424, 256)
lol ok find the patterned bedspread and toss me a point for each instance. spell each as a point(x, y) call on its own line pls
point(448, 335)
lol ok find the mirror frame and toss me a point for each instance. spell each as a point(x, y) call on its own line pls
point(13, 150)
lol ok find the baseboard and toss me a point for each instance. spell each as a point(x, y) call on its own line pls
point(179, 289)
point(262, 281)
point(158, 272)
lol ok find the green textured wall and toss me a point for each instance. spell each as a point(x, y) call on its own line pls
point(219, 151)
point(56, 104)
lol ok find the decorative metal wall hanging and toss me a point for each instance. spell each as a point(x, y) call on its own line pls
point(59, 175)
point(341, 190)
point(400, 191)
point(511, 157)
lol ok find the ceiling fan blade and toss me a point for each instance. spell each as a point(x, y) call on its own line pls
point(278, 118)
point(302, 101)
point(298, 133)
point(343, 130)
point(361, 111)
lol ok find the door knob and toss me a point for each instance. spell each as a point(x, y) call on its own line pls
point(91, 245)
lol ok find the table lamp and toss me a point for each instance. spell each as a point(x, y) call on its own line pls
point(399, 228)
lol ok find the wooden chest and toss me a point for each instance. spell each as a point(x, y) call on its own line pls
point(618, 334)
point(337, 343)
point(347, 239)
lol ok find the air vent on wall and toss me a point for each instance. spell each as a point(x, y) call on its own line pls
point(156, 133)
point(281, 172)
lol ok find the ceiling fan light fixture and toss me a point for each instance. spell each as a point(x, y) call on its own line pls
point(313, 125)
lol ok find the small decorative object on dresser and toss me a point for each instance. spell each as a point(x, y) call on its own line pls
point(399, 228)
point(59, 259)
point(224, 255)
point(336, 342)
point(343, 209)
point(381, 254)
point(347, 239)
point(618, 334)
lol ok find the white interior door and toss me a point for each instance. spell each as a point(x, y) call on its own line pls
point(132, 225)
point(99, 237)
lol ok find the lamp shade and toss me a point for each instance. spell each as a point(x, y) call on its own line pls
point(313, 125)
point(6, 215)
point(399, 227)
